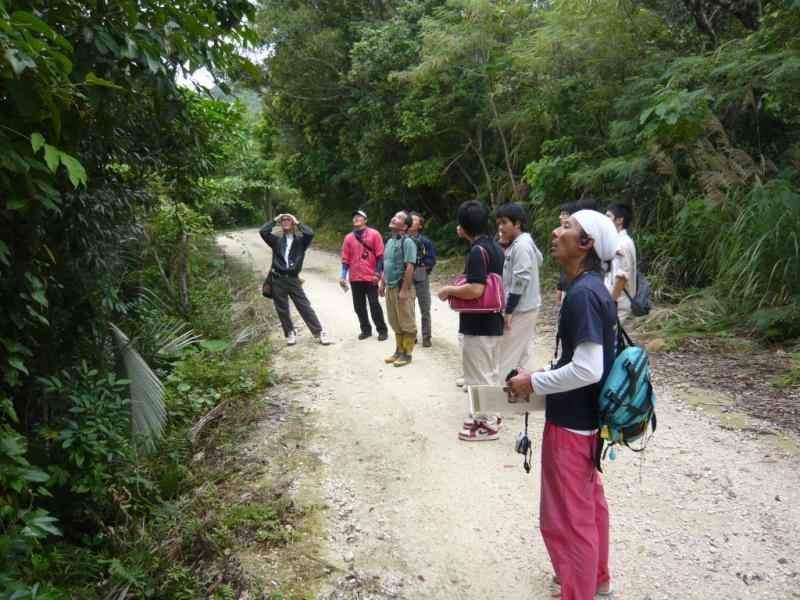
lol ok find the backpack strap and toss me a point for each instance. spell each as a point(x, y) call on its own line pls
point(599, 455)
point(402, 245)
point(623, 339)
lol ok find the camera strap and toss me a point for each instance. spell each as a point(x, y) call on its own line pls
point(363, 243)
point(526, 463)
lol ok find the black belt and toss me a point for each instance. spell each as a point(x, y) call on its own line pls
point(279, 274)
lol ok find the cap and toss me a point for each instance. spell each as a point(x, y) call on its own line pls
point(359, 213)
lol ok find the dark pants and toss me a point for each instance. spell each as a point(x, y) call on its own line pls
point(363, 291)
point(422, 285)
point(286, 287)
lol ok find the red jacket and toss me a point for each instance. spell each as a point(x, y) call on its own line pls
point(353, 251)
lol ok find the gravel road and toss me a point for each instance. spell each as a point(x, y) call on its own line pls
point(712, 510)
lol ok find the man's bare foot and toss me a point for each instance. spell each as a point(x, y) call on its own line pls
point(604, 588)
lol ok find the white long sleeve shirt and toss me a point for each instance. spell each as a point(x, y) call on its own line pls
point(585, 369)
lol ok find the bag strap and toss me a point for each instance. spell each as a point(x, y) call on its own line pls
point(526, 463)
point(558, 337)
point(485, 257)
point(363, 243)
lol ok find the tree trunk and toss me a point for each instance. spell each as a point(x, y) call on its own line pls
point(181, 268)
point(477, 146)
point(504, 143)
point(164, 276)
point(268, 203)
point(702, 20)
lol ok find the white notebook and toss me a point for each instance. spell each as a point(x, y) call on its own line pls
point(493, 399)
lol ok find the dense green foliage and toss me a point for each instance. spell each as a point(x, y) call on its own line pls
point(107, 279)
point(119, 328)
point(688, 111)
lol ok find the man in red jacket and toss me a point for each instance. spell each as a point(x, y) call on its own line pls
point(362, 259)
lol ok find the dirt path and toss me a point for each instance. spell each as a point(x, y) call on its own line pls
point(408, 511)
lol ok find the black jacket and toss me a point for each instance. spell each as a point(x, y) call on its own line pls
point(297, 252)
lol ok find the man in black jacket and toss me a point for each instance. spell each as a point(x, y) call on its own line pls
point(288, 252)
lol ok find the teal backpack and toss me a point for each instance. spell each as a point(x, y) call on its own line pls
point(626, 406)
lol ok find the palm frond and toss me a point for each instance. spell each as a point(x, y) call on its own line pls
point(148, 412)
point(158, 335)
point(175, 339)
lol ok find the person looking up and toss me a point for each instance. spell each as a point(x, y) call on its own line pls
point(399, 259)
point(563, 285)
point(422, 271)
point(362, 261)
point(288, 253)
point(573, 512)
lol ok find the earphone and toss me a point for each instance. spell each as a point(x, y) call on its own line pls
point(584, 240)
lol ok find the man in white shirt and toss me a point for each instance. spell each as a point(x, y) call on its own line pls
point(521, 282)
point(288, 252)
point(621, 281)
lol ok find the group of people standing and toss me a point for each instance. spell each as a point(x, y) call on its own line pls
point(492, 344)
point(398, 270)
point(598, 263)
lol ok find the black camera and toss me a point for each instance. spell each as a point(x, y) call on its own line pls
point(523, 444)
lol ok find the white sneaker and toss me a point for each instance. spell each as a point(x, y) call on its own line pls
point(291, 338)
point(480, 432)
point(323, 338)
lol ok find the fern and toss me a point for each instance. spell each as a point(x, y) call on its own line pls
point(133, 574)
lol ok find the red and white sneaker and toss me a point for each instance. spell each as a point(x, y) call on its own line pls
point(480, 432)
point(494, 422)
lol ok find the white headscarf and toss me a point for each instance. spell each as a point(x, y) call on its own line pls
point(600, 228)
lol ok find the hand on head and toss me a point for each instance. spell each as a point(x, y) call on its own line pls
point(283, 216)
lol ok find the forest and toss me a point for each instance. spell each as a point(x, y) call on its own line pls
point(121, 327)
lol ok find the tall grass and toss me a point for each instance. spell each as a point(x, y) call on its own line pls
point(745, 257)
point(759, 257)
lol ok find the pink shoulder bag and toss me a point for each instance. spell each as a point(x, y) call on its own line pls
point(493, 298)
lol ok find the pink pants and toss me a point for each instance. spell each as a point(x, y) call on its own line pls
point(573, 515)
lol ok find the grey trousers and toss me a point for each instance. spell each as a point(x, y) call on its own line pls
point(422, 285)
point(286, 287)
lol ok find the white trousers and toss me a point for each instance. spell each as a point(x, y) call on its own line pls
point(479, 357)
point(623, 312)
point(515, 348)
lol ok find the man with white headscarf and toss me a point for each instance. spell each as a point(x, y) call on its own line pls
point(573, 515)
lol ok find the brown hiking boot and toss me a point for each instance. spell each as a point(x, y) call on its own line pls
point(398, 351)
point(408, 348)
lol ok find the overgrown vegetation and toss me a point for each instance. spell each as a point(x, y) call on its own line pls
point(123, 335)
point(120, 326)
point(689, 111)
